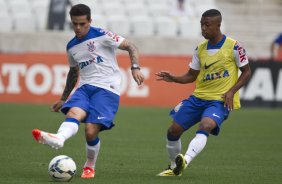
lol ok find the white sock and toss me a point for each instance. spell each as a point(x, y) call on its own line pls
point(195, 147)
point(67, 130)
point(92, 154)
point(173, 148)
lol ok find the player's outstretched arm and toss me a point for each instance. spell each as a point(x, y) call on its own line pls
point(70, 84)
point(189, 77)
point(134, 58)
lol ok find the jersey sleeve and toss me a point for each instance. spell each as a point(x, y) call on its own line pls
point(195, 63)
point(112, 40)
point(240, 55)
point(71, 60)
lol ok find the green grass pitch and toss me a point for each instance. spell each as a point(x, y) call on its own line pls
point(248, 149)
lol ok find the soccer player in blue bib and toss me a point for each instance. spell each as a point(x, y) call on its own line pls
point(92, 59)
point(214, 67)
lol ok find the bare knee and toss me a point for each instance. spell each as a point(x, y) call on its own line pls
point(175, 131)
point(91, 131)
point(76, 113)
point(207, 125)
point(90, 134)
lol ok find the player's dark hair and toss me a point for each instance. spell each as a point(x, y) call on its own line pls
point(212, 13)
point(80, 10)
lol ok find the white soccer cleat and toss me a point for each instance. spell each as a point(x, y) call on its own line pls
point(47, 138)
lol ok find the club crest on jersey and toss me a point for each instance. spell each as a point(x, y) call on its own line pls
point(91, 46)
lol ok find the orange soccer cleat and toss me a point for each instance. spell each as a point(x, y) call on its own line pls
point(88, 172)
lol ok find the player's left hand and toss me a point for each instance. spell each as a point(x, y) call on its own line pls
point(228, 100)
point(137, 76)
point(57, 106)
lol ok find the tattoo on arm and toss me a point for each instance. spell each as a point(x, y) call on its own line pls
point(71, 82)
point(132, 50)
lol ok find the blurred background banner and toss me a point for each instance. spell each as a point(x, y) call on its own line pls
point(265, 87)
point(40, 78)
point(33, 64)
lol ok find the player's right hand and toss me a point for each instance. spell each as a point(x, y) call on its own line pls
point(165, 76)
point(57, 106)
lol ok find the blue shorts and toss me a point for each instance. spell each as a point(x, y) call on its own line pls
point(101, 105)
point(190, 111)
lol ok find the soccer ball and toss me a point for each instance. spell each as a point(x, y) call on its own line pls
point(62, 168)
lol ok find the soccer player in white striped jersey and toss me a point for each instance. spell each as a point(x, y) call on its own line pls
point(214, 67)
point(92, 59)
